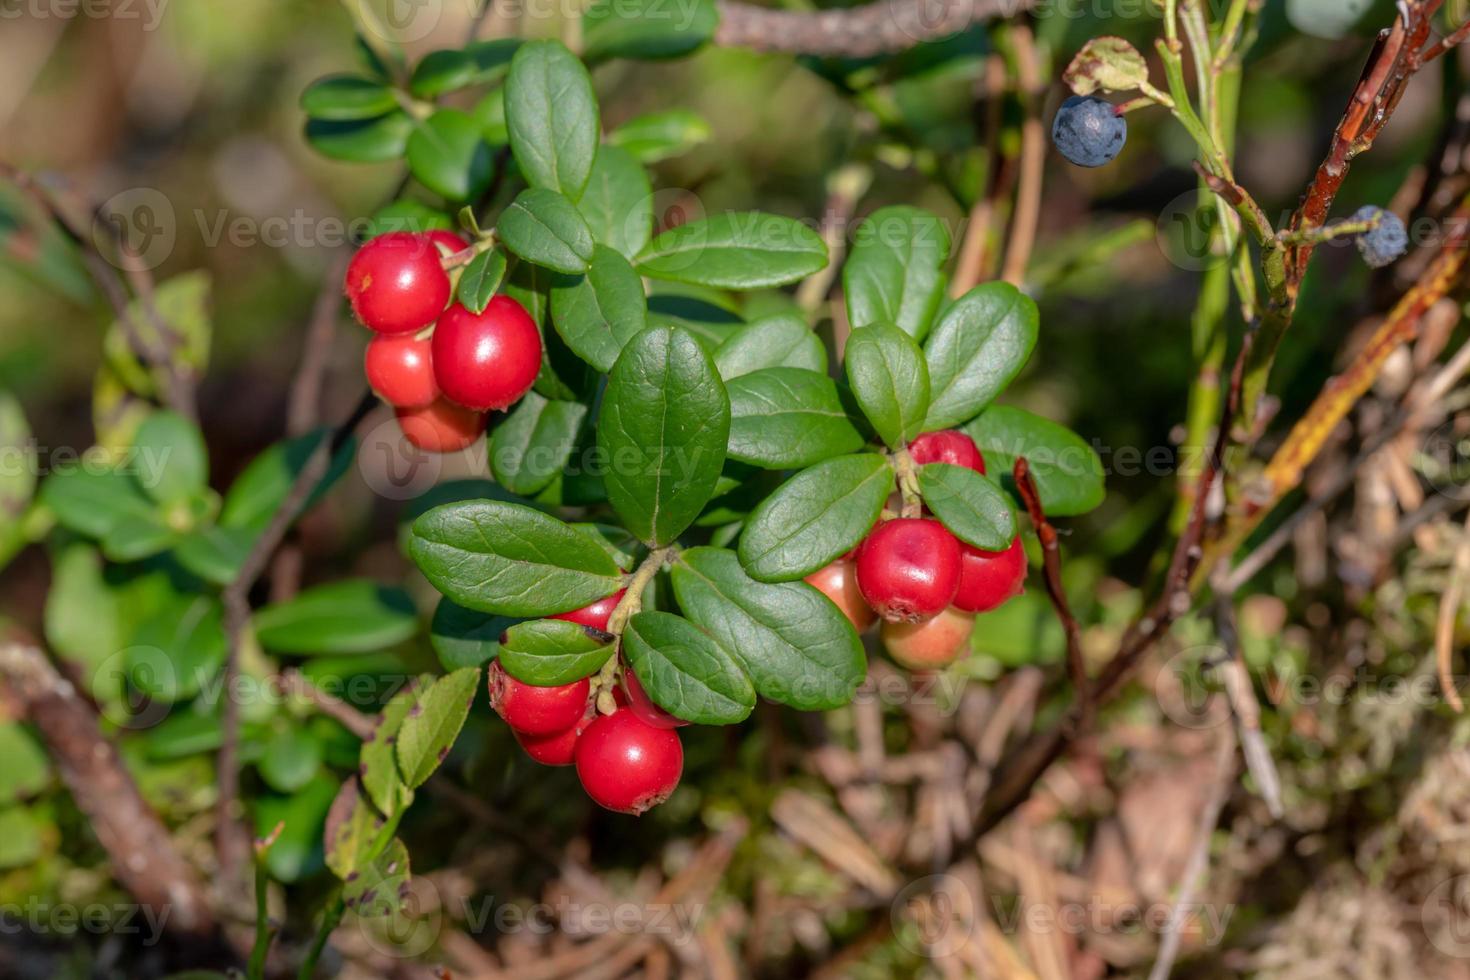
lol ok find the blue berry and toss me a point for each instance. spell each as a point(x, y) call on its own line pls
point(1088, 131)
point(1383, 244)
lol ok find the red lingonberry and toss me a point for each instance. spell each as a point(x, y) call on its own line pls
point(909, 568)
point(642, 705)
point(934, 643)
point(397, 283)
point(597, 614)
point(838, 582)
point(628, 765)
point(399, 370)
point(441, 427)
point(947, 446)
point(537, 710)
point(488, 360)
point(989, 578)
point(556, 749)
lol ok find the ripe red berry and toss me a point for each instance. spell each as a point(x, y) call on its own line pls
point(537, 710)
point(948, 446)
point(989, 578)
point(489, 360)
point(627, 765)
point(642, 705)
point(556, 749)
point(597, 614)
point(909, 568)
point(441, 427)
point(934, 643)
point(399, 370)
point(396, 283)
point(838, 582)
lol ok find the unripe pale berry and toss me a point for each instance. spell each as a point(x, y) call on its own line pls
point(932, 644)
point(1089, 131)
point(948, 446)
point(642, 705)
point(399, 369)
point(627, 765)
point(556, 749)
point(441, 427)
point(488, 360)
point(989, 578)
point(909, 568)
point(537, 710)
point(397, 283)
point(838, 582)
point(595, 615)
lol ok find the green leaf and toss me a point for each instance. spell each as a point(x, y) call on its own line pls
point(543, 227)
point(480, 279)
point(510, 559)
point(447, 153)
point(979, 345)
point(647, 29)
point(465, 638)
point(378, 762)
point(376, 140)
point(352, 827)
point(92, 502)
point(292, 756)
point(18, 477)
point(781, 340)
point(215, 553)
point(83, 619)
point(350, 616)
point(616, 541)
point(815, 517)
point(895, 273)
point(657, 136)
point(174, 653)
point(339, 97)
point(27, 770)
point(743, 250)
point(598, 313)
point(261, 488)
point(685, 672)
point(489, 112)
point(174, 463)
point(618, 202)
point(379, 886)
point(434, 723)
point(449, 70)
point(889, 381)
point(552, 116)
point(664, 427)
point(20, 837)
point(135, 537)
point(798, 647)
point(182, 303)
point(976, 510)
point(297, 852)
point(551, 652)
point(1107, 63)
point(1067, 471)
point(533, 443)
point(786, 418)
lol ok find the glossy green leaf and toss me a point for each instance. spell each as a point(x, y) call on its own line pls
point(543, 227)
point(895, 273)
point(260, 489)
point(174, 463)
point(798, 648)
point(976, 510)
point(480, 279)
point(215, 553)
point(449, 70)
point(177, 651)
point(374, 140)
point(782, 340)
point(135, 537)
point(648, 29)
point(434, 723)
point(786, 418)
point(291, 757)
point(657, 136)
point(465, 638)
point(552, 116)
point(599, 312)
point(618, 202)
point(533, 443)
point(349, 616)
point(510, 559)
point(551, 652)
point(815, 517)
point(664, 427)
point(339, 97)
point(979, 345)
point(83, 616)
point(685, 672)
point(742, 250)
point(889, 379)
point(27, 770)
point(92, 502)
point(447, 153)
point(1067, 471)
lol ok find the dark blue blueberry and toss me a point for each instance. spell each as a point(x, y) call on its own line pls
point(1385, 243)
point(1088, 131)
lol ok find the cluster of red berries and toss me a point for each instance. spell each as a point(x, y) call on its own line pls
point(925, 584)
point(441, 366)
point(628, 761)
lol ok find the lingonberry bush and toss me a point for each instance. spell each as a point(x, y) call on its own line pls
point(733, 462)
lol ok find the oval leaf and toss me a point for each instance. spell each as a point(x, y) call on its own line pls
point(361, 140)
point(889, 380)
point(433, 724)
point(895, 273)
point(448, 154)
point(646, 29)
point(352, 616)
point(598, 313)
point(618, 202)
point(787, 418)
point(480, 279)
point(378, 763)
point(532, 445)
point(976, 510)
point(979, 345)
point(551, 652)
point(782, 340)
point(543, 227)
point(815, 517)
point(685, 672)
point(1067, 471)
point(173, 463)
point(551, 114)
point(340, 97)
point(465, 638)
point(740, 250)
point(659, 135)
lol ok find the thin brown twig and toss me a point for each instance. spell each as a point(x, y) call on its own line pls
point(880, 27)
point(303, 408)
point(1449, 614)
point(1027, 213)
point(1051, 562)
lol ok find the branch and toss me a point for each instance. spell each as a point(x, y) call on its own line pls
point(1051, 561)
point(881, 27)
